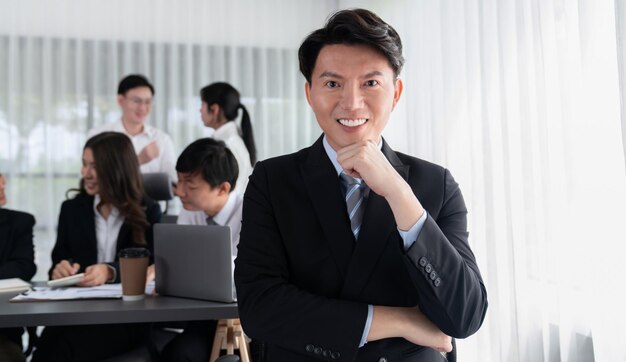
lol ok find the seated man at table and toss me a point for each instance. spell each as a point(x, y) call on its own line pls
point(207, 174)
point(17, 260)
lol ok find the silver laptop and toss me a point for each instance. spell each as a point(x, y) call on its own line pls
point(194, 261)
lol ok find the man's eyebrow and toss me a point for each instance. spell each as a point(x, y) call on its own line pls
point(373, 74)
point(329, 74)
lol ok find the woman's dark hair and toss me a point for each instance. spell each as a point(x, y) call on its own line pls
point(227, 97)
point(119, 180)
point(212, 160)
point(352, 27)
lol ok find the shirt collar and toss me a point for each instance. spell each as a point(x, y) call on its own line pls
point(147, 129)
point(96, 200)
point(227, 129)
point(222, 217)
point(332, 154)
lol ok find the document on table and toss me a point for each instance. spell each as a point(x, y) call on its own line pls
point(105, 291)
point(13, 285)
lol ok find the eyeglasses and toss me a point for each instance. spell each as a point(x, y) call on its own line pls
point(136, 101)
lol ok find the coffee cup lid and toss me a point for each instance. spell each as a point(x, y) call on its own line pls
point(134, 253)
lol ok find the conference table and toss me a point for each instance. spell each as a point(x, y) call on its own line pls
point(154, 308)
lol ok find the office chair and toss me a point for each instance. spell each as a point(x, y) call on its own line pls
point(158, 186)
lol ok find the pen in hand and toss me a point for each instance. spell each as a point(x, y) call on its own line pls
point(65, 268)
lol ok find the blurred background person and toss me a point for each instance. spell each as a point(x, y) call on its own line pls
point(108, 214)
point(17, 260)
point(220, 107)
point(154, 148)
point(207, 176)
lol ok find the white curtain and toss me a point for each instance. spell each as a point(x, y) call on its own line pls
point(620, 24)
point(61, 61)
point(520, 100)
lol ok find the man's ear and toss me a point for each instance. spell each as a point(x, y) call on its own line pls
point(120, 99)
point(397, 92)
point(224, 187)
point(307, 92)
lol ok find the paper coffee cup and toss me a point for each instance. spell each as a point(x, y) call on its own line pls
point(133, 265)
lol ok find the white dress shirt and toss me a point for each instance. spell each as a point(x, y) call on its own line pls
point(164, 162)
point(107, 231)
point(229, 133)
point(229, 215)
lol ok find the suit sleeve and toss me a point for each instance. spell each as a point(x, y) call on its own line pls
point(444, 270)
point(274, 310)
point(61, 250)
point(20, 262)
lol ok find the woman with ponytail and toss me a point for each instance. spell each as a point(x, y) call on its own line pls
point(220, 107)
point(109, 213)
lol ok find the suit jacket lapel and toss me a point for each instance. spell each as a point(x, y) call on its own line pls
point(4, 231)
point(322, 183)
point(88, 221)
point(377, 230)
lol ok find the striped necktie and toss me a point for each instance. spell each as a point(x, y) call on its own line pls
point(355, 191)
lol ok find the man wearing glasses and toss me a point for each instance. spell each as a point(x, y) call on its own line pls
point(154, 147)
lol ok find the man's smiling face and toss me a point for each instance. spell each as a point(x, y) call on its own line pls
point(352, 93)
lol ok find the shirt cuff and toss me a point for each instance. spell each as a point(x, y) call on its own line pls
point(368, 325)
point(409, 237)
point(112, 268)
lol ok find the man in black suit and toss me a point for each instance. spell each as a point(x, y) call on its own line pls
point(17, 260)
point(373, 268)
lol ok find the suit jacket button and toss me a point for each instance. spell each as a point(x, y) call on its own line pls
point(428, 268)
point(335, 355)
point(423, 261)
point(326, 353)
point(318, 350)
point(382, 359)
point(310, 348)
point(433, 275)
point(437, 282)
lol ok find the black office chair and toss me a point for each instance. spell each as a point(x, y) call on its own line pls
point(158, 186)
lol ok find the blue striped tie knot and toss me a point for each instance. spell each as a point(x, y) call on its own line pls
point(355, 190)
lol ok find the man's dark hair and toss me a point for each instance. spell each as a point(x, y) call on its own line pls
point(352, 27)
point(133, 81)
point(211, 159)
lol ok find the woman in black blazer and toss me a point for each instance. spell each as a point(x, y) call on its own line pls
point(109, 213)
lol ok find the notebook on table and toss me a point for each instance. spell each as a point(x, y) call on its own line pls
point(194, 261)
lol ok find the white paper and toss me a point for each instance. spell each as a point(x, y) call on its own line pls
point(105, 291)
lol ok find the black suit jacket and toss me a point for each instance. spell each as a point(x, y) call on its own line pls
point(76, 233)
point(303, 283)
point(17, 256)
